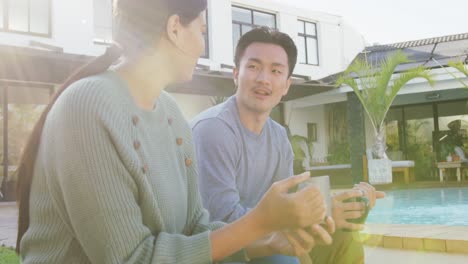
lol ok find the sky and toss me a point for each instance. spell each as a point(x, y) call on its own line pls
point(390, 21)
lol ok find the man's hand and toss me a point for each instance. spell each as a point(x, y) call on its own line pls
point(291, 243)
point(343, 211)
point(280, 210)
point(370, 192)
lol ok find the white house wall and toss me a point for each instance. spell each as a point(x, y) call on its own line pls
point(191, 105)
point(352, 44)
point(297, 119)
point(220, 33)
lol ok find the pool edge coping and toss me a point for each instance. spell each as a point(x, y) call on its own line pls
point(433, 238)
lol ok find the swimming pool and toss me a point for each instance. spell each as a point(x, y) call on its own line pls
point(438, 206)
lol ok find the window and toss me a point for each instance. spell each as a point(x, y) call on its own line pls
point(26, 16)
point(206, 54)
point(244, 20)
point(103, 21)
point(308, 45)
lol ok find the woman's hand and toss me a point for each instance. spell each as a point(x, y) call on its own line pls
point(301, 241)
point(280, 210)
point(291, 243)
point(277, 210)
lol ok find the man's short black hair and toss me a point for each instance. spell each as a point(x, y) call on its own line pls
point(269, 36)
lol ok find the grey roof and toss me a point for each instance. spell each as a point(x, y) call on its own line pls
point(430, 53)
point(28, 67)
point(420, 42)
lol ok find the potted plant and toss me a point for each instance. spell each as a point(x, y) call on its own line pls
point(376, 90)
point(302, 149)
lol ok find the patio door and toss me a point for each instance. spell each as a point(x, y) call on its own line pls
point(419, 130)
point(453, 129)
point(410, 137)
point(426, 134)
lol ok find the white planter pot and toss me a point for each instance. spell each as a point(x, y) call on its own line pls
point(380, 171)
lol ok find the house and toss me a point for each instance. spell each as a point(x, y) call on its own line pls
point(417, 121)
point(44, 41)
point(78, 30)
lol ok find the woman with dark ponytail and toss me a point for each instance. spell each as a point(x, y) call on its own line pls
point(108, 174)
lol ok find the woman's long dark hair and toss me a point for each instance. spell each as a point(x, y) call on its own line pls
point(138, 24)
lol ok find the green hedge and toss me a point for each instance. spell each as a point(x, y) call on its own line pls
point(8, 256)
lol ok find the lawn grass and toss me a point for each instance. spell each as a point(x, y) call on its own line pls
point(8, 256)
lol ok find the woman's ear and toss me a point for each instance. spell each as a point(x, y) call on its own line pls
point(173, 28)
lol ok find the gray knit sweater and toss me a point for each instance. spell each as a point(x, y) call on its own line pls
point(114, 183)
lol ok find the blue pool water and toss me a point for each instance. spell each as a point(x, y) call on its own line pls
point(441, 206)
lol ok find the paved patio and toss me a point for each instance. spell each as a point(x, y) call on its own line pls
point(8, 224)
point(378, 255)
point(385, 243)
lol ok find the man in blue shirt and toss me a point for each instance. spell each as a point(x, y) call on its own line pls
point(241, 151)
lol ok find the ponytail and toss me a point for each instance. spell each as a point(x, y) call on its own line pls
point(26, 165)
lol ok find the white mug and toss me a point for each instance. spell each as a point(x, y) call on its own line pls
point(323, 184)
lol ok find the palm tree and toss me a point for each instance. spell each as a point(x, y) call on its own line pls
point(376, 91)
point(461, 67)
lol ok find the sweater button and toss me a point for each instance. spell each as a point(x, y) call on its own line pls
point(136, 144)
point(188, 162)
point(135, 120)
point(179, 141)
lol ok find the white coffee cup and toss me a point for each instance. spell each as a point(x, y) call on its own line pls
point(323, 184)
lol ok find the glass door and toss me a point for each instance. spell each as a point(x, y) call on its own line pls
point(452, 138)
point(419, 130)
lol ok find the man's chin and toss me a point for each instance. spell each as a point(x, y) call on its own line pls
point(260, 108)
